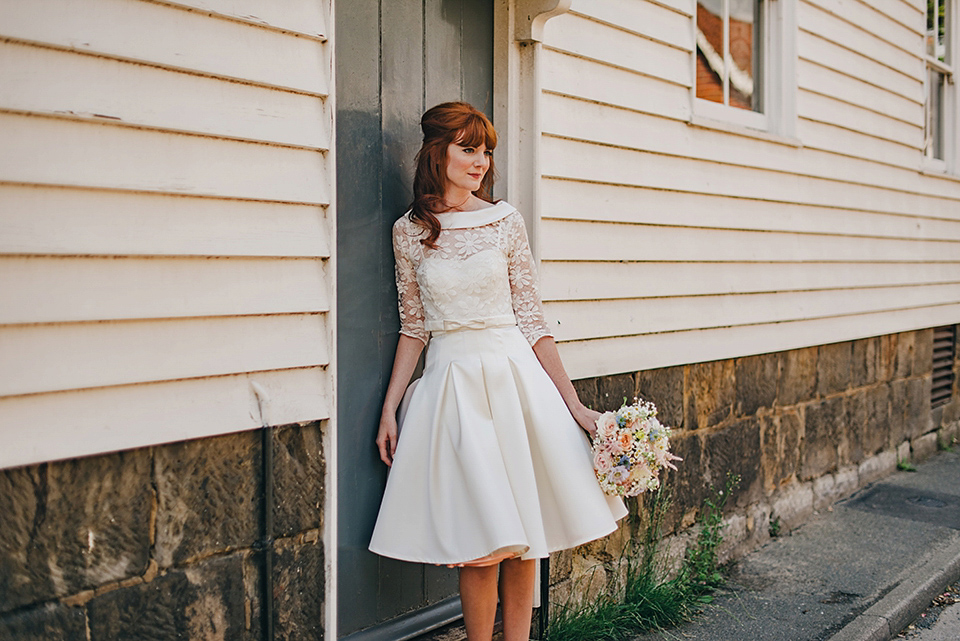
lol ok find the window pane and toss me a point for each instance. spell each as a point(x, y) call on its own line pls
point(710, 51)
point(937, 29)
point(745, 41)
point(935, 115)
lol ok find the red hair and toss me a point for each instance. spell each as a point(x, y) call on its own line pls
point(448, 122)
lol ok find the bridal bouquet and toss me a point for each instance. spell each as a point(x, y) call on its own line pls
point(629, 449)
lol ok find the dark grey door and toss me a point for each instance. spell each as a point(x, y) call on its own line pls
point(395, 58)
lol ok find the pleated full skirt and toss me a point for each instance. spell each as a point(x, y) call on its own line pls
point(489, 459)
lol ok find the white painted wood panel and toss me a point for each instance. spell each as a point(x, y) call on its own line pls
point(643, 18)
point(39, 220)
point(55, 82)
point(850, 89)
point(812, 47)
point(826, 137)
point(608, 318)
point(571, 200)
point(874, 19)
point(609, 356)
point(56, 152)
point(826, 109)
point(593, 40)
point(684, 7)
point(68, 424)
point(590, 281)
point(830, 27)
point(171, 37)
point(299, 16)
point(909, 13)
point(569, 240)
point(45, 358)
point(61, 289)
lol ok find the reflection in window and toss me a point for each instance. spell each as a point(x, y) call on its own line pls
point(729, 43)
point(939, 72)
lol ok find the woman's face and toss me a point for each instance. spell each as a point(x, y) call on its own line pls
point(466, 166)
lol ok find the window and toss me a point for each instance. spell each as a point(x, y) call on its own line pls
point(938, 130)
point(744, 63)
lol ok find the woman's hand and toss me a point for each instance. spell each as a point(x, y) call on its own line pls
point(387, 438)
point(587, 419)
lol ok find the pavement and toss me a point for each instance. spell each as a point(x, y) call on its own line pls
point(861, 571)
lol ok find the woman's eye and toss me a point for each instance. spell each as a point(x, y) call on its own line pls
point(468, 150)
point(488, 153)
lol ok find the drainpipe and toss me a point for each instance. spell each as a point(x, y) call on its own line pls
point(265, 545)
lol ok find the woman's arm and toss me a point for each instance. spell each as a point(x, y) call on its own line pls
point(405, 361)
point(546, 351)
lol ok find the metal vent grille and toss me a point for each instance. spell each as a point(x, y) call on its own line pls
point(944, 341)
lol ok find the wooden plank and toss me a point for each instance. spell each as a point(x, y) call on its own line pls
point(56, 82)
point(876, 21)
point(828, 110)
point(595, 41)
point(571, 200)
point(607, 318)
point(684, 7)
point(909, 13)
point(573, 160)
point(569, 240)
point(642, 18)
point(812, 47)
point(61, 289)
point(565, 74)
point(849, 89)
point(170, 37)
point(300, 16)
point(54, 426)
point(47, 358)
point(826, 137)
point(589, 281)
point(815, 20)
point(41, 220)
point(614, 355)
point(58, 152)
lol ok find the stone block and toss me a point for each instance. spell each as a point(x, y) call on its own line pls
point(798, 376)
point(298, 590)
point(734, 534)
point(830, 488)
point(664, 387)
point(877, 466)
point(299, 472)
point(686, 484)
point(917, 417)
point(50, 622)
point(205, 601)
point(736, 449)
point(834, 367)
point(756, 383)
point(948, 435)
point(876, 431)
point(903, 452)
point(906, 348)
point(614, 390)
point(561, 565)
point(587, 392)
point(923, 352)
point(793, 505)
point(898, 413)
point(710, 394)
point(866, 366)
point(208, 496)
point(73, 525)
point(923, 447)
point(781, 436)
point(887, 360)
point(853, 431)
point(822, 424)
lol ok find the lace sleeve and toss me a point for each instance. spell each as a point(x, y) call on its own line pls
point(524, 287)
point(408, 290)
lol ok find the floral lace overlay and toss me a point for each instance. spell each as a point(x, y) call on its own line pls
point(476, 277)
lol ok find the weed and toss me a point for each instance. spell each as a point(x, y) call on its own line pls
point(906, 466)
point(774, 527)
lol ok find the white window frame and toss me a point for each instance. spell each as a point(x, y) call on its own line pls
point(778, 81)
point(949, 98)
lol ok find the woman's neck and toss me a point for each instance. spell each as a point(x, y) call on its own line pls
point(460, 200)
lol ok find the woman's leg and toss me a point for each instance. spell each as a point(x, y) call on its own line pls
point(516, 597)
point(478, 594)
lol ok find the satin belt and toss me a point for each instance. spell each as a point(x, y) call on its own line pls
point(448, 325)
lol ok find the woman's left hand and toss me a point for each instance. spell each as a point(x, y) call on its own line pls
point(587, 419)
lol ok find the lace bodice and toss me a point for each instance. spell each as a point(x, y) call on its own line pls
point(481, 274)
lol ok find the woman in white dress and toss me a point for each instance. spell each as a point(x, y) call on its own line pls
point(489, 467)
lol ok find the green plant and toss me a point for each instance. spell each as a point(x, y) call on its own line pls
point(946, 446)
point(774, 527)
point(906, 466)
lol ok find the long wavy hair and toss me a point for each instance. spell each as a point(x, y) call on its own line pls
point(448, 122)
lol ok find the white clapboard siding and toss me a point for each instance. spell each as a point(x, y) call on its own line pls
point(564, 199)
point(847, 142)
point(56, 357)
point(574, 281)
point(303, 17)
point(600, 357)
point(58, 289)
point(61, 83)
point(683, 7)
point(38, 220)
point(642, 18)
point(874, 19)
point(829, 110)
point(78, 423)
point(166, 36)
point(848, 88)
point(608, 318)
point(51, 151)
point(596, 41)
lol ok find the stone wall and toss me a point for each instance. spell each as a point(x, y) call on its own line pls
point(803, 428)
point(164, 542)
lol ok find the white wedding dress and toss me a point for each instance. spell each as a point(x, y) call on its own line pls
point(489, 460)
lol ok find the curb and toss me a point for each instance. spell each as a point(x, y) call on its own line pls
point(887, 617)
